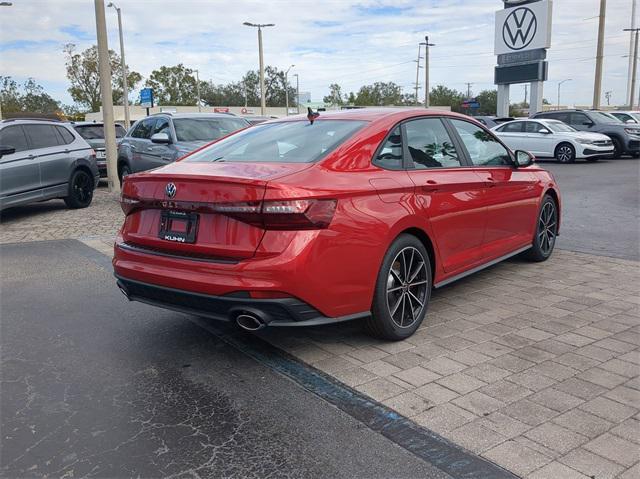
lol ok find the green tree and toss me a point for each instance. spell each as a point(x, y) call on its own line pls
point(335, 95)
point(174, 85)
point(30, 98)
point(488, 100)
point(442, 96)
point(379, 94)
point(83, 73)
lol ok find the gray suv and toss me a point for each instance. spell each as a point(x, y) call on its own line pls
point(44, 159)
point(162, 138)
point(625, 137)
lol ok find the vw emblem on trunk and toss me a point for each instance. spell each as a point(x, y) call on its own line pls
point(170, 190)
point(520, 28)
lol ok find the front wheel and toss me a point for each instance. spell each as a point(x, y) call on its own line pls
point(617, 148)
point(80, 190)
point(546, 231)
point(565, 153)
point(123, 172)
point(403, 290)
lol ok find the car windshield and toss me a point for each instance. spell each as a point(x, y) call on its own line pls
point(284, 142)
point(96, 132)
point(559, 127)
point(206, 129)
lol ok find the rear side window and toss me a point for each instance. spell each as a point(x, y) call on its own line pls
point(65, 135)
point(281, 142)
point(430, 145)
point(484, 149)
point(390, 155)
point(41, 136)
point(14, 137)
point(512, 127)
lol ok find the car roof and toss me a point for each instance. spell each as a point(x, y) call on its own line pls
point(374, 114)
point(31, 120)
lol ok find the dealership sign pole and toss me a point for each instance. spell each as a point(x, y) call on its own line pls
point(523, 35)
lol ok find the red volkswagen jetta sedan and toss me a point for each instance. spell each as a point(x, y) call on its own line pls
point(354, 214)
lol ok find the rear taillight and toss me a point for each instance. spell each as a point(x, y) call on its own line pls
point(282, 215)
point(129, 204)
point(270, 215)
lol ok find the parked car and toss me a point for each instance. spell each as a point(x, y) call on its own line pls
point(93, 133)
point(350, 214)
point(493, 121)
point(164, 137)
point(627, 116)
point(554, 139)
point(625, 137)
point(43, 159)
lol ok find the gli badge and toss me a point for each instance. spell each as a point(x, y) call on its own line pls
point(170, 190)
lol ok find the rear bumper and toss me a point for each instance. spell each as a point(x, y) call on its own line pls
point(273, 312)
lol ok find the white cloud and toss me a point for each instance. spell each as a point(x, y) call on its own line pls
point(350, 42)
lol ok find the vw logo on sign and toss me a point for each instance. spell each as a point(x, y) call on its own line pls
point(520, 28)
point(170, 190)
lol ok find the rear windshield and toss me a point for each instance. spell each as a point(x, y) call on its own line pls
point(96, 132)
point(206, 129)
point(285, 142)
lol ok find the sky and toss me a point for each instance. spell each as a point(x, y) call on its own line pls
point(346, 42)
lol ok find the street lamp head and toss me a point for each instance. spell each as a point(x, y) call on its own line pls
point(5, 4)
point(248, 24)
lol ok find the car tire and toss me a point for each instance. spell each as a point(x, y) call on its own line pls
point(565, 153)
point(402, 291)
point(617, 148)
point(546, 231)
point(123, 170)
point(80, 190)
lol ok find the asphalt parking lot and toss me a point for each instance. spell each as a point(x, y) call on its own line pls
point(531, 367)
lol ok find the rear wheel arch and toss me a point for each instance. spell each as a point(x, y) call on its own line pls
point(426, 241)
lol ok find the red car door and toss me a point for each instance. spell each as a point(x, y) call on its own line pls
point(510, 194)
point(448, 193)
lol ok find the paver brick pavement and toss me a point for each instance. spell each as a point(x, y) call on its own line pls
point(534, 366)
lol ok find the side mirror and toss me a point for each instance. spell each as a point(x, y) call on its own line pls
point(631, 121)
point(161, 138)
point(587, 123)
point(524, 158)
point(544, 131)
point(6, 150)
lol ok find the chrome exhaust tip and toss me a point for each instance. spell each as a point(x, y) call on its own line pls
point(250, 322)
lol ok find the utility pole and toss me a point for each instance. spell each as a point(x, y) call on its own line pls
point(599, 56)
point(427, 102)
point(297, 93)
point(526, 90)
point(607, 95)
point(286, 88)
point(104, 69)
point(631, 41)
point(418, 73)
point(260, 26)
point(634, 68)
point(468, 90)
point(123, 66)
point(198, 89)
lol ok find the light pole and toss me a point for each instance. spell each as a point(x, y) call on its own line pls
point(286, 88)
point(260, 26)
point(599, 56)
point(427, 102)
point(104, 69)
point(559, 85)
point(198, 89)
point(123, 66)
point(297, 93)
point(634, 68)
point(3, 4)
